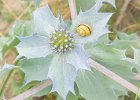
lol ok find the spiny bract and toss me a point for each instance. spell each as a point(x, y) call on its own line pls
point(61, 48)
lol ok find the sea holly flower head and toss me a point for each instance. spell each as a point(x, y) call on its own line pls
point(60, 47)
point(61, 41)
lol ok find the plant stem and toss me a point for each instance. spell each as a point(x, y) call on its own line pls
point(5, 82)
point(93, 64)
point(114, 76)
point(7, 79)
point(33, 90)
point(73, 9)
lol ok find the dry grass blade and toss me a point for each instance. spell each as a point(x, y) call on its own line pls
point(7, 7)
point(19, 17)
point(33, 90)
point(121, 15)
point(73, 9)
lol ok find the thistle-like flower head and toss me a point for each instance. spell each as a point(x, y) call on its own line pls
point(62, 46)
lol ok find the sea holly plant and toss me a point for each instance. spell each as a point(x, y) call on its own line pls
point(54, 51)
point(61, 47)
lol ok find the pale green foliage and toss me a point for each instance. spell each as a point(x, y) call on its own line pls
point(61, 68)
point(36, 69)
point(125, 41)
point(96, 86)
point(86, 4)
point(5, 69)
point(22, 28)
point(137, 56)
point(129, 43)
point(37, 2)
point(6, 43)
point(111, 58)
point(34, 44)
point(41, 63)
point(19, 29)
point(112, 2)
point(98, 22)
point(135, 60)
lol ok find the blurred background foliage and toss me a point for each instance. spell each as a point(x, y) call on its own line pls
point(15, 12)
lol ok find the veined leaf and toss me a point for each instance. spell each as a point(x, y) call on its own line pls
point(36, 69)
point(59, 65)
point(111, 58)
point(96, 86)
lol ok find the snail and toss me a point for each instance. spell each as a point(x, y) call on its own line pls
point(84, 30)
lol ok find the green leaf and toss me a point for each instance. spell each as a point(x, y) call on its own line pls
point(96, 86)
point(104, 39)
point(5, 70)
point(22, 28)
point(96, 20)
point(63, 76)
point(112, 2)
point(93, 84)
point(17, 82)
point(125, 41)
point(55, 67)
point(126, 36)
point(36, 69)
point(38, 45)
point(19, 29)
point(136, 59)
point(44, 21)
point(137, 56)
point(111, 58)
point(86, 4)
point(37, 2)
point(70, 96)
point(7, 43)
point(45, 91)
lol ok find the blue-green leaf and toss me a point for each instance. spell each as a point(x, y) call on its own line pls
point(34, 47)
point(86, 4)
point(36, 69)
point(96, 86)
point(37, 2)
point(97, 21)
point(63, 76)
point(96, 83)
point(125, 41)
